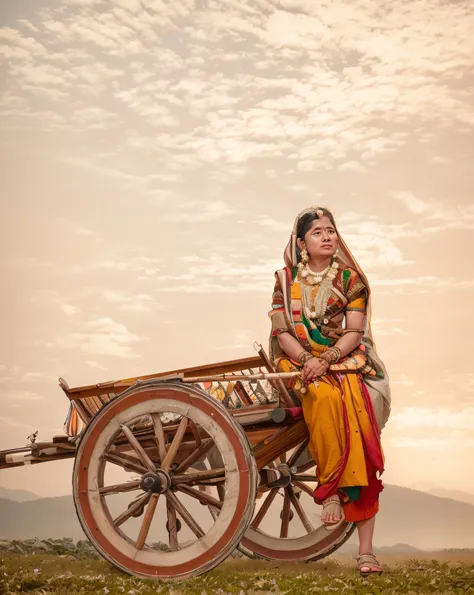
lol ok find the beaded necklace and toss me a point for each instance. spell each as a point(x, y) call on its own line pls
point(314, 309)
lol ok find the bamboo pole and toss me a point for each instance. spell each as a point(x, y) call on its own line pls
point(232, 377)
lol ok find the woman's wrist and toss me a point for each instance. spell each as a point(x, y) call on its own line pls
point(331, 355)
point(304, 356)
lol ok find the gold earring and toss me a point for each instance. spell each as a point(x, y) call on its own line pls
point(304, 256)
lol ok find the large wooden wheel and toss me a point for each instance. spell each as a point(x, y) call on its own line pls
point(286, 524)
point(156, 523)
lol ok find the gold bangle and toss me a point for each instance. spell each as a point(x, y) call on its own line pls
point(333, 355)
point(304, 356)
point(337, 353)
point(327, 357)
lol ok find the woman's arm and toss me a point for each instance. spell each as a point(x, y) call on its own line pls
point(349, 341)
point(346, 344)
point(290, 345)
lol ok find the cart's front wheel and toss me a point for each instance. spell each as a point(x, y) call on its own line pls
point(137, 492)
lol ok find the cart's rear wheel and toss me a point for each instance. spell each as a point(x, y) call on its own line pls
point(158, 431)
point(286, 524)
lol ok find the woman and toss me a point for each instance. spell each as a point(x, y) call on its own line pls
point(321, 326)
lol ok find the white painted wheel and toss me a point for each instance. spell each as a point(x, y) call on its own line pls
point(130, 435)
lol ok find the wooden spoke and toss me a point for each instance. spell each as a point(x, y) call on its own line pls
point(196, 455)
point(304, 477)
point(127, 457)
point(159, 435)
point(147, 518)
point(309, 465)
point(184, 514)
point(126, 463)
point(173, 449)
point(283, 458)
point(145, 459)
point(298, 452)
point(118, 488)
point(216, 481)
point(299, 509)
point(285, 519)
point(221, 491)
point(172, 529)
point(198, 476)
point(195, 431)
point(201, 496)
point(303, 487)
point(132, 509)
point(264, 508)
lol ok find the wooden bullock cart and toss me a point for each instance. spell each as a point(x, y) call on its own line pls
point(175, 471)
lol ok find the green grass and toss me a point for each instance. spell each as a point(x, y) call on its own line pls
point(46, 573)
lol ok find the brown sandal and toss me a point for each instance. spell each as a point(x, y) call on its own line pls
point(368, 561)
point(334, 500)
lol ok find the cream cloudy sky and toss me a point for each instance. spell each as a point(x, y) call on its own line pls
point(154, 155)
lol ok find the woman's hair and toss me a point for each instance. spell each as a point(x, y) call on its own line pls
point(306, 221)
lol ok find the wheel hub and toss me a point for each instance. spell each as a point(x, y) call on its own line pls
point(155, 483)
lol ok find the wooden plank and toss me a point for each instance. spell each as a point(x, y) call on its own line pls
point(266, 453)
point(226, 367)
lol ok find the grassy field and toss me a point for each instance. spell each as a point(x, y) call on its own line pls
point(66, 575)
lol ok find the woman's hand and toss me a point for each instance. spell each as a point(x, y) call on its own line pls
point(314, 368)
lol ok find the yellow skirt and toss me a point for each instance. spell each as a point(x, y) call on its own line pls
point(344, 439)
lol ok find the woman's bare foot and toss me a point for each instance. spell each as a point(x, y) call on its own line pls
point(333, 512)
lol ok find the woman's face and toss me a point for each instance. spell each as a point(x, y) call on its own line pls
point(321, 239)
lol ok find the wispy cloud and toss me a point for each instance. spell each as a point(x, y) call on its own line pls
point(199, 211)
point(102, 336)
point(15, 395)
point(404, 380)
point(96, 365)
point(69, 310)
point(139, 264)
point(141, 302)
point(315, 114)
point(436, 429)
point(413, 204)
point(242, 340)
point(425, 284)
point(436, 418)
point(30, 262)
point(388, 326)
point(17, 375)
point(7, 422)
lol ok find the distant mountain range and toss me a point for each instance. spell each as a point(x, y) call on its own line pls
point(453, 494)
point(424, 521)
point(18, 495)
